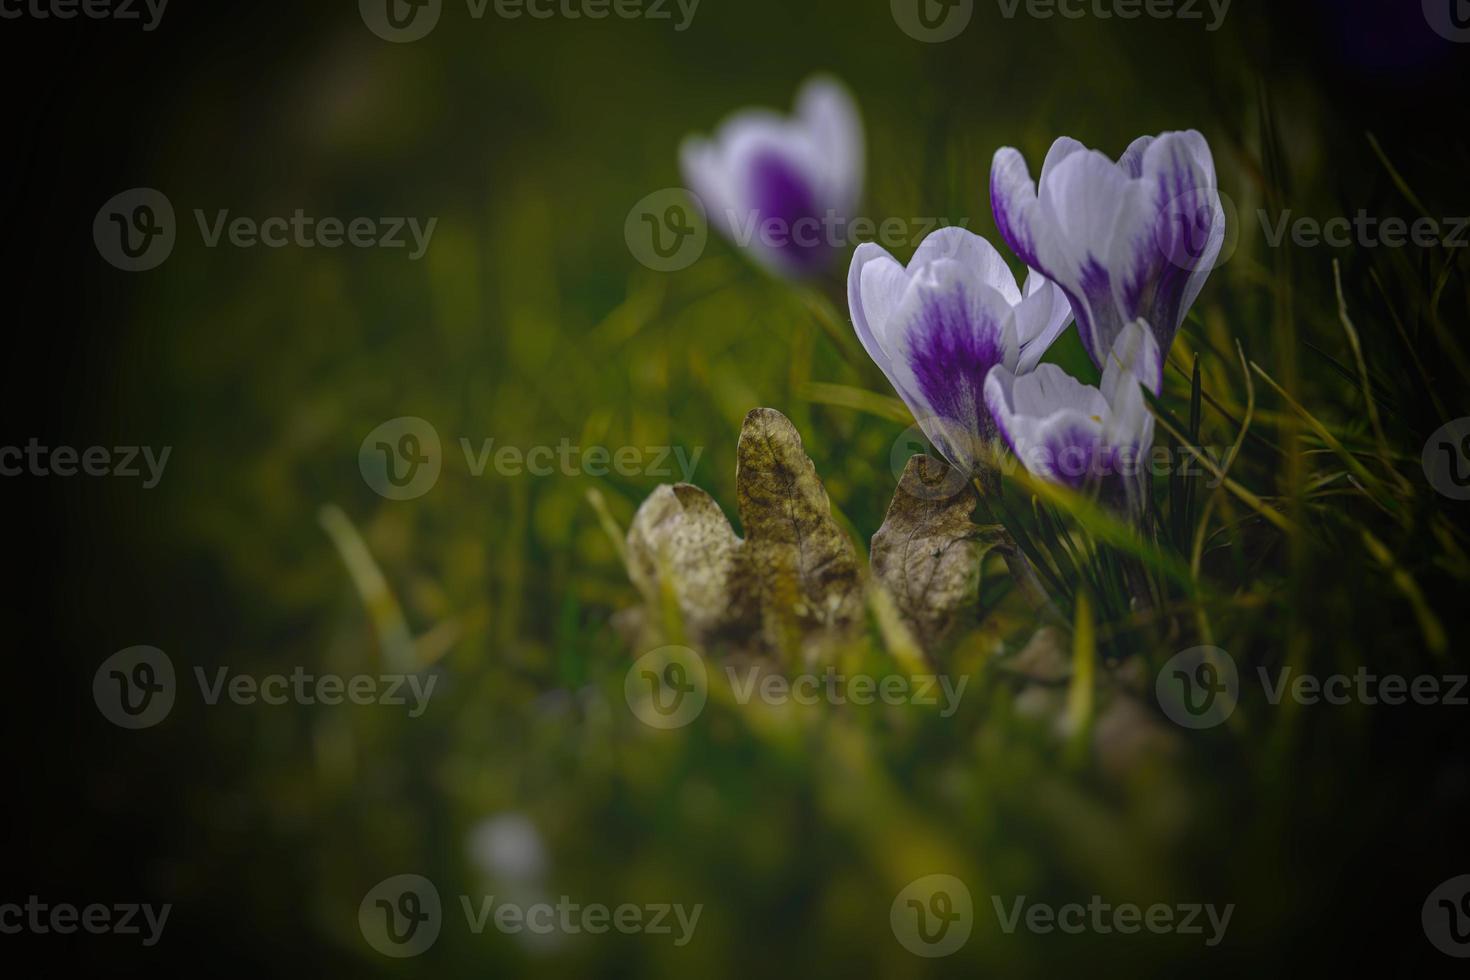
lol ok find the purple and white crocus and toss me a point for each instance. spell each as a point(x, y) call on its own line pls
point(938, 327)
point(1126, 241)
point(1085, 438)
point(782, 188)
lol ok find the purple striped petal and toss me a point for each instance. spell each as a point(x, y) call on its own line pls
point(946, 336)
point(1127, 240)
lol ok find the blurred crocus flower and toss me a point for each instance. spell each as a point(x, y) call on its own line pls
point(783, 188)
point(508, 848)
point(1129, 240)
point(938, 327)
point(1079, 436)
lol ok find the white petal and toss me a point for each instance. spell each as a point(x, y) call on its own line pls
point(876, 284)
point(1135, 357)
point(1049, 390)
point(1131, 162)
point(976, 254)
point(705, 174)
point(1041, 317)
point(835, 127)
point(1105, 229)
point(1016, 430)
point(1134, 360)
point(1064, 147)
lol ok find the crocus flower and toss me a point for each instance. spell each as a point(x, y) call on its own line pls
point(1129, 240)
point(938, 327)
point(1079, 436)
point(783, 188)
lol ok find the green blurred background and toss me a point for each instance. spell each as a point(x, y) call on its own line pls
point(529, 321)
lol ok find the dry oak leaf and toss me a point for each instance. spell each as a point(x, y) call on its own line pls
point(681, 541)
point(928, 552)
point(803, 566)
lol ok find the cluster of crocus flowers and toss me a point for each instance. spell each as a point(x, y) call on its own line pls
point(783, 188)
point(1122, 247)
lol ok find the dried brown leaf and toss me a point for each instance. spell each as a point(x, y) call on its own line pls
point(928, 551)
point(681, 545)
point(801, 564)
